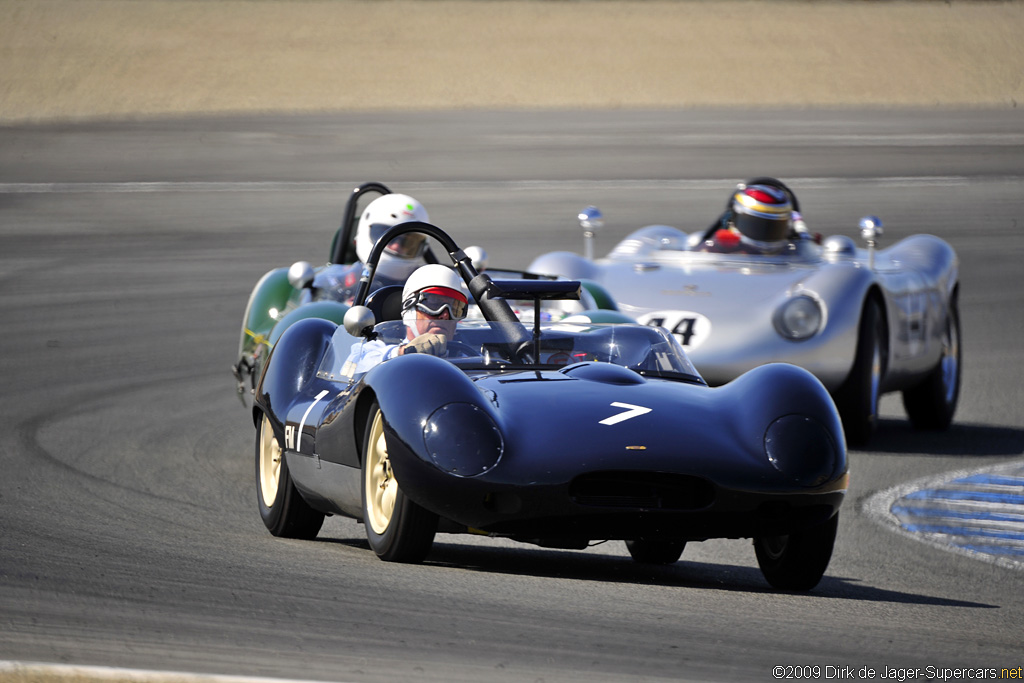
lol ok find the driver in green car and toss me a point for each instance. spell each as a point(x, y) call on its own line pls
point(398, 260)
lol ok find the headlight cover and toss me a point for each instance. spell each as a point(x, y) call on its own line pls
point(799, 318)
point(463, 440)
point(801, 448)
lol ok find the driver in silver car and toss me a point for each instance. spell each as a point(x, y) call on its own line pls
point(759, 220)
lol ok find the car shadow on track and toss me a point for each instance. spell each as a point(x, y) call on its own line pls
point(898, 437)
point(584, 566)
point(683, 574)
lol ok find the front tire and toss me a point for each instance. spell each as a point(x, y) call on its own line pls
point(932, 403)
point(797, 561)
point(397, 529)
point(857, 398)
point(285, 513)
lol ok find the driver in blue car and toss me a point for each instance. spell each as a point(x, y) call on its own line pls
point(399, 258)
point(759, 220)
point(432, 305)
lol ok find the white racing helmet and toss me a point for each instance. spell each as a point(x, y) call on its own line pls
point(404, 253)
point(431, 289)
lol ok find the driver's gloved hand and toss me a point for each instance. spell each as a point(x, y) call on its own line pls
point(434, 344)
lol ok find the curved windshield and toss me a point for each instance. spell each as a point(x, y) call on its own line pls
point(478, 344)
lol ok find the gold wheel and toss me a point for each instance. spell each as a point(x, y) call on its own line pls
point(381, 487)
point(269, 464)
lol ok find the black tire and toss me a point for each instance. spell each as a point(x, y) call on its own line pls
point(857, 398)
point(932, 403)
point(398, 529)
point(797, 561)
point(655, 550)
point(285, 513)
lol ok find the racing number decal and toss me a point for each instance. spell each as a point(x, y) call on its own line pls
point(630, 411)
point(690, 328)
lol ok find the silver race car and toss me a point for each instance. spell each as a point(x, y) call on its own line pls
point(756, 287)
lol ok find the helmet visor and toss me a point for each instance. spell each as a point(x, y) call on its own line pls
point(762, 229)
point(435, 300)
point(410, 245)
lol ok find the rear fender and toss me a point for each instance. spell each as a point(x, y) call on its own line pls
point(601, 315)
point(326, 310)
point(929, 255)
point(565, 263)
point(291, 367)
point(602, 297)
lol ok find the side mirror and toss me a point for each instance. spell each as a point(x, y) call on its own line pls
point(591, 220)
point(359, 321)
point(478, 256)
point(871, 232)
point(300, 275)
point(871, 229)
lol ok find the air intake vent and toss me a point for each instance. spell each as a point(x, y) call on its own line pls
point(642, 490)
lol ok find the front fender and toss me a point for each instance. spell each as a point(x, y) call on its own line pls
point(794, 399)
point(410, 388)
point(423, 397)
point(269, 296)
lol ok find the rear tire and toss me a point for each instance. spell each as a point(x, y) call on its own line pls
point(797, 561)
point(285, 513)
point(932, 403)
point(397, 529)
point(655, 550)
point(857, 398)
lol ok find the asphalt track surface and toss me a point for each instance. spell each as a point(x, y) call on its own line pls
point(129, 535)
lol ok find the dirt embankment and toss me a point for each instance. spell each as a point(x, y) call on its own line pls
point(63, 59)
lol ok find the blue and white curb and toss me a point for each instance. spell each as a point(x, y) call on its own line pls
point(979, 513)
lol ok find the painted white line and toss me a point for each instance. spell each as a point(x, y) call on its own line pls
point(107, 673)
point(965, 506)
point(557, 140)
point(464, 185)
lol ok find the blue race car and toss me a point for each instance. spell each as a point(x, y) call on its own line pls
point(560, 434)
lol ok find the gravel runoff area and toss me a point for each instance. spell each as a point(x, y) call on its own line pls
point(74, 59)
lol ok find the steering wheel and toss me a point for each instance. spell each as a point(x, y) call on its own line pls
point(460, 349)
